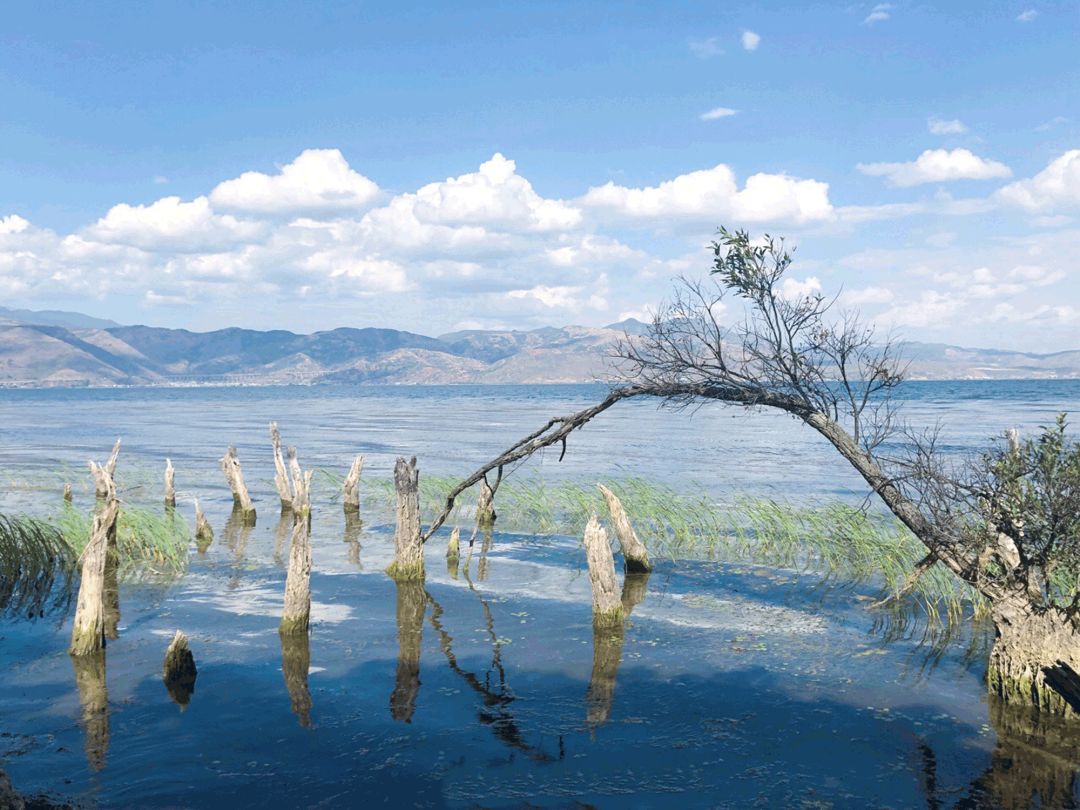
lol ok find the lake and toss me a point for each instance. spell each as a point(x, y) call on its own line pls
point(732, 685)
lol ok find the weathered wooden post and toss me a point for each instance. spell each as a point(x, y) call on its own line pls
point(297, 611)
point(281, 475)
point(408, 561)
point(351, 488)
point(485, 507)
point(170, 485)
point(607, 605)
point(94, 700)
point(104, 477)
point(230, 466)
point(411, 603)
point(88, 629)
point(179, 671)
point(204, 535)
point(67, 494)
point(635, 556)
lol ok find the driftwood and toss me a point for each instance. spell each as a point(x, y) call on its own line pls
point(281, 475)
point(351, 487)
point(411, 603)
point(179, 671)
point(170, 485)
point(408, 545)
point(88, 629)
point(607, 606)
point(230, 466)
point(635, 556)
point(296, 614)
point(295, 665)
point(204, 535)
point(94, 701)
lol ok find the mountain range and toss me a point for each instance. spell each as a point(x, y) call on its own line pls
point(53, 348)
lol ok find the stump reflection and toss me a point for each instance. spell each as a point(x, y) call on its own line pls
point(94, 699)
point(411, 603)
point(237, 530)
point(353, 526)
point(607, 653)
point(295, 664)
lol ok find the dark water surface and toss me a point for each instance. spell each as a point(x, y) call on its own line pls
point(731, 686)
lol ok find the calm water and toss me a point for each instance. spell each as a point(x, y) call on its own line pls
point(732, 685)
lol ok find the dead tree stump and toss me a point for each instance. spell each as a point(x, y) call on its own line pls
point(88, 629)
point(204, 535)
point(179, 671)
point(485, 507)
point(104, 476)
point(408, 561)
point(281, 475)
point(296, 614)
point(230, 466)
point(635, 556)
point(607, 604)
point(67, 494)
point(170, 485)
point(351, 488)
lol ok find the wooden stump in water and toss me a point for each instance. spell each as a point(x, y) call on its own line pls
point(411, 603)
point(105, 476)
point(94, 700)
point(351, 487)
point(297, 611)
point(179, 671)
point(295, 665)
point(485, 507)
point(170, 485)
point(281, 475)
point(204, 535)
point(635, 556)
point(607, 605)
point(67, 494)
point(408, 547)
point(88, 631)
point(230, 466)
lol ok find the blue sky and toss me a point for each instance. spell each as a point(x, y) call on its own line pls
point(439, 166)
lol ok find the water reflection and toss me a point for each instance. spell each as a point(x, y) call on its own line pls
point(607, 653)
point(353, 526)
point(236, 533)
point(94, 700)
point(282, 534)
point(295, 664)
point(411, 603)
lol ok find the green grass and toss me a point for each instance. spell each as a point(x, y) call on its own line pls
point(148, 541)
point(36, 566)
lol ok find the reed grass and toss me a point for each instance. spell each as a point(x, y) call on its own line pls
point(36, 567)
point(148, 541)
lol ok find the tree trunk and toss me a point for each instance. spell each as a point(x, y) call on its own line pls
point(170, 485)
point(408, 547)
point(635, 556)
point(88, 629)
point(351, 488)
point(67, 494)
point(1035, 658)
point(104, 476)
point(230, 466)
point(204, 535)
point(485, 507)
point(607, 603)
point(281, 475)
point(297, 612)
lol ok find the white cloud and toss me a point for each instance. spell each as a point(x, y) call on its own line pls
point(867, 295)
point(552, 297)
point(1027, 16)
point(712, 195)
point(171, 225)
point(1058, 185)
point(936, 166)
point(878, 13)
point(317, 180)
point(750, 40)
point(794, 290)
point(13, 224)
point(705, 48)
point(940, 126)
point(716, 113)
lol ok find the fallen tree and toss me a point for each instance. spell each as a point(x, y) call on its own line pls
point(1007, 522)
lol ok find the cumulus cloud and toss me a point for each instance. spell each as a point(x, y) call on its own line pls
point(317, 180)
point(1058, 185)
point(169, 224)
point(795, 290)
point(867, 295)
point(878, 13)
point(713, 194)
point(716, 113)
point(940, 126)
point(750, 40)
point(13, 224)
point(1027, 15)
point(937, 166)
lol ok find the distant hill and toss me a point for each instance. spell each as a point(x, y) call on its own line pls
point(88, 351)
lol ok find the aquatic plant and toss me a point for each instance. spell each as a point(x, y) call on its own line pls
point(148, 541)
point(36, 566)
